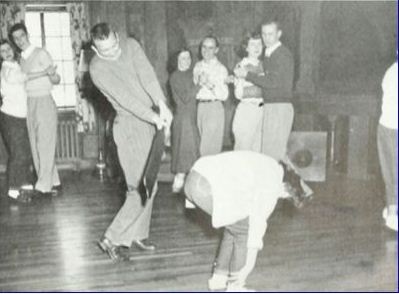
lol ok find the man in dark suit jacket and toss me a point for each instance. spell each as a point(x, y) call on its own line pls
point(276, 83)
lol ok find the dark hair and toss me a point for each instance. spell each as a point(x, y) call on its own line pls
point(17, 27)
point(271, 21)
point(174, 59)
point(14, 28)
point(100, 31)
point(293, 181)
point(6, 41)
point(242, 49)
point(212, 37)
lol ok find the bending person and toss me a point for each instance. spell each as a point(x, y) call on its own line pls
point(239, 189)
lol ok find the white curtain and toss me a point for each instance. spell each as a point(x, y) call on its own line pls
point(79, 36)
point(10, 14)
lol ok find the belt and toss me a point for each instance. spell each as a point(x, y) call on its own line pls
point(208, 101)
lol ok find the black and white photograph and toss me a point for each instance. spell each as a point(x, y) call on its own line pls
point(198, 146)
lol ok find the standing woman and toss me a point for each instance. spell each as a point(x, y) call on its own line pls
point(13, 122)
point(185, 135)
point(247, 123)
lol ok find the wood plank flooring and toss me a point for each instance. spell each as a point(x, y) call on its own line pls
point(337, 242)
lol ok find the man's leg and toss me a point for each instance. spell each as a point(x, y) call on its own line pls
point(133, 139)
point(46, 116)
point(239, 231)
point(277, 124)
point(211, 127)
point(31, 122)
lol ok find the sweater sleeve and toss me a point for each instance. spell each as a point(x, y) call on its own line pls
point(146, 72)
point(221, 90)
point(178, 94)
point(277, 77)
point(45, 59)
point(110, 88)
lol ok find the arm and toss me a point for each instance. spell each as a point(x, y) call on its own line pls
point(39, 74)
point(146, 72)
point(182, 93)
point(220, 89)
point(252, 92)
point(16, 76)
point(111, 89)
point(275, 77)
point(238, 88)
point(196, 73)
point(48, 63)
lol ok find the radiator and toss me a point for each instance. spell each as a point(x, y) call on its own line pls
point(68, 147)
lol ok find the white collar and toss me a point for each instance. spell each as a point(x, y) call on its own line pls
point(28, 51)
point(11, 64)
point(107, 58)
point(213, 61)
point(246, 60)
point(270, 50)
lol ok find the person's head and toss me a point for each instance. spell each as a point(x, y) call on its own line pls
point(251, 46)
point(271, 32)
point(7, 52)
point(19, 35)
point(292, 185)
point(105, 40)
point(209, 47)
point(184, 59)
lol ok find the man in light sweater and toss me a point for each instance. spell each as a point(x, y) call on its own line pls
point(239, 189)
point(41, 112)
point(122, 72)
point(387, 139)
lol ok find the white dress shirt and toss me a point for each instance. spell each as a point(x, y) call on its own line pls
point(271, 49)
point(28, 51)
point(13, 89)
point(244, 184)
point(389, 109)
point(215, 73)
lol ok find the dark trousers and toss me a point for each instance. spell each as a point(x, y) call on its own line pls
point(16, 140)
point(233, 249)
point(387, 151)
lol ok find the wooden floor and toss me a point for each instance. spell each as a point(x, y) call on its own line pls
point(337, 242)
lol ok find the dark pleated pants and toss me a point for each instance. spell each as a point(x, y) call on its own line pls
point(16, 140)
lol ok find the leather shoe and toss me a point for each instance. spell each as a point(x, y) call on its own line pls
point(56, 190)
point(22, 198)
point(144, 245)
point(37, 193)
point(114, 252)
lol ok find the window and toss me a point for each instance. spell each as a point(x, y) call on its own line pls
point(50, 29)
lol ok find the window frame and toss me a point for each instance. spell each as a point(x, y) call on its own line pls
point(49, 8)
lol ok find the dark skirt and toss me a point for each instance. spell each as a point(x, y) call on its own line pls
point(185, 140)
